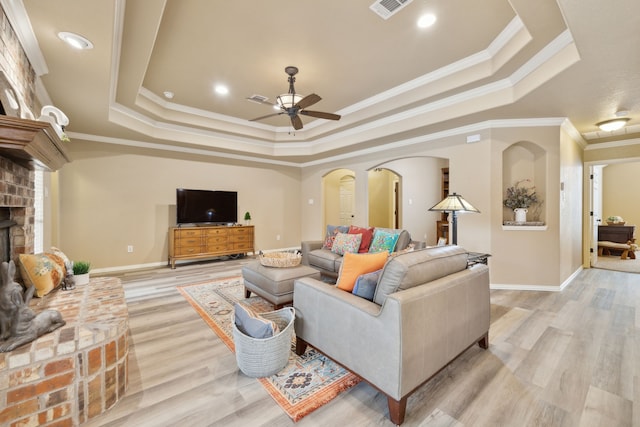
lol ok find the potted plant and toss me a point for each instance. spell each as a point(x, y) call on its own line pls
point(247, 218)
point(81, 272)
point(519, 199)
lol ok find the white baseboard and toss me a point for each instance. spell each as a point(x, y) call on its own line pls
point(116, 269)
point(550, 288)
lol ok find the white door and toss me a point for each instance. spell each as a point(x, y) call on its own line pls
point(347, 202)
point(595, 208)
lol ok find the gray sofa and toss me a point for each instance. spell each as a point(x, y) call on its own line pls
point(328, 263)
point(428, 308)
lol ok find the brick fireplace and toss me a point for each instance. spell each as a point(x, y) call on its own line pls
point(17, 207)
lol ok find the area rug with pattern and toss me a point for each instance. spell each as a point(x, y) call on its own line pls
point(305, 384)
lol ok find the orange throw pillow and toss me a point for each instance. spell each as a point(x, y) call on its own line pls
point(353, 265)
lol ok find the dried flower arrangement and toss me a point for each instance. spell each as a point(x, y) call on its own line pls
point(521, 197)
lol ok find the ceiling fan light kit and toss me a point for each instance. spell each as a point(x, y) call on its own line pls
point(293, 104)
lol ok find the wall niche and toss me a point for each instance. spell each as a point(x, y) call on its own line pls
point(525, 163)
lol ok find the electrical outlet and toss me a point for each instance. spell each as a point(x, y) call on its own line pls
point(277, 237)
point(130, 248)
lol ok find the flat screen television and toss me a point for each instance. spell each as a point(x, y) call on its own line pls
point(206, 206)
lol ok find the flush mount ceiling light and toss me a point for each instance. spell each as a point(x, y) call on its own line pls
point(221, 89)
point(613, 124)
point(76, 41)
point(426, 20)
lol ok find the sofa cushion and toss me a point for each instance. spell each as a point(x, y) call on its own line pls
point(365, 285)
point(418, 267)
point(324, 259)
point(250, 324)
point(383, 241)
point(404, 239)
point(354, 265)
point(345, 242)
point(330, 235)
point(367, 235)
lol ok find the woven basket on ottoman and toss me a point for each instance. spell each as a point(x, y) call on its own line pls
point(262, 357)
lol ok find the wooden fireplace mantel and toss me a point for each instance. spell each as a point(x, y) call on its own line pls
point(31, 143)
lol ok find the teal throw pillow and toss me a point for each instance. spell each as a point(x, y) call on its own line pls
point(345, 242)
point(365, 286)
point(383, 241)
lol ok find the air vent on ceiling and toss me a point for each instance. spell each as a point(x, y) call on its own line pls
point(388, 8)
point(257, 98)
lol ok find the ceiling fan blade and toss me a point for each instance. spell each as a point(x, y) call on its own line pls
point(296, 122)
point(308, 101)
point(320, 115)
point(268, 115)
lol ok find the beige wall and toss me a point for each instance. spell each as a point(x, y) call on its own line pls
point(571, 205)
point(111, 196)
point(620, 186)
point(525, 259)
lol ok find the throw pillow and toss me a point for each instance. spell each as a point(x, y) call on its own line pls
point(383, 241)
point(251, 324)
point(62, 255)
point(43, 271)
point(346, 243)
point(354, 265)
point(365, 286)
point(367, 235)
point(330, 236)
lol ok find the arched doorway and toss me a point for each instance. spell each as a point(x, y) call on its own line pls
point(384, 199)
point(339, 197)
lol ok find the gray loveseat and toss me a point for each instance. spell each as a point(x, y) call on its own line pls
point(428, 308)
point(328, 263)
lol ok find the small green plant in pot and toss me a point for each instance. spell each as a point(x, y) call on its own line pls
point(81, 271)
point(247, 218)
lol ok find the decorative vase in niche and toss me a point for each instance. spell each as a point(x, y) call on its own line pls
point(521, 214)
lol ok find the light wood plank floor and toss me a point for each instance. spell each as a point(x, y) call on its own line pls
point(555, 359)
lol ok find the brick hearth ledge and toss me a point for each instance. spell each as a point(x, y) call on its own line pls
point(76, 372)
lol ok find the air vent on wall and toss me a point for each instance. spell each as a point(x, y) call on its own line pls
point(257, 98)
point(388, 8)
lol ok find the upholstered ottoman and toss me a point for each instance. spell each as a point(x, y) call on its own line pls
point(273, 283)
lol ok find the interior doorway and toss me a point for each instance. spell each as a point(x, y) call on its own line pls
point(347, 200)
point(385, 193)
point(607, 188)
point(339, 195)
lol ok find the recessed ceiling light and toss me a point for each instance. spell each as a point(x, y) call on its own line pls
point(221, 90)
point(613, 124)
point(76, 41)
point(426, 20)
point(168, 94)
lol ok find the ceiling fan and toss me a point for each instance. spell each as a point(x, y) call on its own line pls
point(293, 104)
